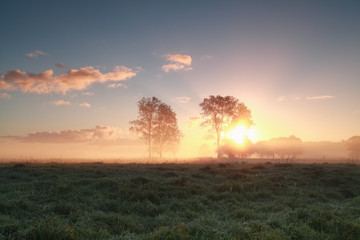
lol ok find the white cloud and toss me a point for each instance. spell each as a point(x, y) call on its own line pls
point(87, 93)
point(182, 99)
point(5, 96)
point(116, 85)
point(36, 53)
point(60, 102)
point(320, 97)
point(292, 98)
point(85, 104)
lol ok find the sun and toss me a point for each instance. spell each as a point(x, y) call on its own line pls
point(240, 133)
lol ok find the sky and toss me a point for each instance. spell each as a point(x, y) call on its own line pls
point(71, 72)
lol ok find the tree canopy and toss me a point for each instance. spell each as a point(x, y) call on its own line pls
point(221, 112)
point(156, 125)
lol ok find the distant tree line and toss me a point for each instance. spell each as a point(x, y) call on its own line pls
point(283, 148)
point(353, 147)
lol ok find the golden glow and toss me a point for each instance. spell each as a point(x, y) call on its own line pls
point(240, 133)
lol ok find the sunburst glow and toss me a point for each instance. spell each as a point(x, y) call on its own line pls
point(240, 133)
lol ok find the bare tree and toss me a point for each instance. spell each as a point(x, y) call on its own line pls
point(156, 125)
point(221, 112)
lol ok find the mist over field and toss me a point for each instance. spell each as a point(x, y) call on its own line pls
point(309, 152)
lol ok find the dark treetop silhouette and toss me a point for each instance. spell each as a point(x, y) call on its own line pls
point(156, 125)
point(221, 112)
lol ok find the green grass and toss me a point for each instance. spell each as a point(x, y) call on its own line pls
point(185, 201)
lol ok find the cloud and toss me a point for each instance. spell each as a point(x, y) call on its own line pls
point(4, 85)
point(138, 69)
point(320, 97)
point(87, 93)
point(36, 53)
point(177, 62)
point(178, 58)
point(85, 104)
point(79, 79)
point(116, 85)
point(292, 98)
point(93, 135)
point(74, 79)
point(5, 96)
point(281, 98)
point(172, 66)
point(60, 102)
point(206, 57)
point(61, 65)
point(182, 99)
point(30, 82)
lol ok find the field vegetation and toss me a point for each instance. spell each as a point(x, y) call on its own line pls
point(179, 201)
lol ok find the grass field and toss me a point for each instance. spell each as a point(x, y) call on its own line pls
point(183, 201)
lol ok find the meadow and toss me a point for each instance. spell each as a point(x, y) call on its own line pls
point(179, 201)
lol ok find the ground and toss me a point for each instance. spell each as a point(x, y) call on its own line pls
point(179, 201)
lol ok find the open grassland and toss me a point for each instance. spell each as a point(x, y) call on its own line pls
point(184, 201)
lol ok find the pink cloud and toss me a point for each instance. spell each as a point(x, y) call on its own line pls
point(74, 79)
point(36, 53)
point(4, 85)
point(5, 96)
point(172, 66)
point(60, 102)
point(178, 58)
point(31, 82)
point(320, 97)
point(85, 104)
point(177, 62)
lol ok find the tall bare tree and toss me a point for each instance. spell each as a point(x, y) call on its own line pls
point(221, 112)
point(156, 125)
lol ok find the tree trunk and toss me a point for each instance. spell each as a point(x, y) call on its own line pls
point(149, 142)
point(218, 144)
